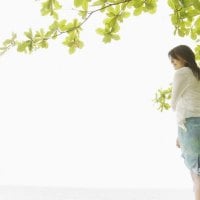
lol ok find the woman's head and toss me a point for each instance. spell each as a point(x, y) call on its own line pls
point(183, 56)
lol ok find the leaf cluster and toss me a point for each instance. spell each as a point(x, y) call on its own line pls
point(40, 39)
point(186, 17)
point(8, 43)
point(116, 11)
point(162, 98)
point(50, 7)
point(113, 11)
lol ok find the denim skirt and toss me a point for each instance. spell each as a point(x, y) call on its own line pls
point(189, 140)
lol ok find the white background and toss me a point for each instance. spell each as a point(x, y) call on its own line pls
point(88, 120)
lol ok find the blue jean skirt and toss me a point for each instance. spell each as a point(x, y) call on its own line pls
point(189, 140)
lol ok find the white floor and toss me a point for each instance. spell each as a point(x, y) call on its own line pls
point(52, 193)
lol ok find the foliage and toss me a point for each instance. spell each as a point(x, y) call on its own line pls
point(185, 18)
point(8, 43)
point(162, 98)
point(114, 12)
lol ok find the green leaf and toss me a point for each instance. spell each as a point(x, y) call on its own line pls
point(70, 26)
point(98, 3)
point(57, 5)
point(196, 4)
point(111, 10)
point(111, 21)
point(54, 26)
point(174, 19)
point(62, 25)
point(181, 32)
point(100, 31)
point(126, 14)
point(85, 4)
point(107, 38)
point(171, 4)
point(115, 37)
point(115, 28)
point(55, 15)
point(50, 7)
point(72, 50)
point(80, 45)
point(44, 44)
point(186, 3)
point(48, 34)
point(7, 42)
point(138, 3)
point(45, 8)
point(153, 10)
point(22, 47)
point(29, 34)
point(138, 11)
point(83, 14)
point(197, 22)
point(197, 52)
point(78, 3)
point(54, 36)
point(39, 33)
point(193, 35)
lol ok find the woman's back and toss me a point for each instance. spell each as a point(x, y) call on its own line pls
point(189, 102)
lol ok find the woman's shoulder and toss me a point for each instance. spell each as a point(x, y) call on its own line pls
point(184, 73)
point(183, 70)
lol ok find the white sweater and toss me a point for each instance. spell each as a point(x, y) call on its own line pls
point(185, 95)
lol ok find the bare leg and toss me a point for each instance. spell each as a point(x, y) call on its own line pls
point(196, 182)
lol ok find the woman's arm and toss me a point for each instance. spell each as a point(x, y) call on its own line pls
point(180, 83)
point(177, 143)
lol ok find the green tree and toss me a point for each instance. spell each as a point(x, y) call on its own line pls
point(185, 18)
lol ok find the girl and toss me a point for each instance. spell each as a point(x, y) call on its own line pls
point(186, 103)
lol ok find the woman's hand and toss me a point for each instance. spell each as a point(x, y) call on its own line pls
point(177, 143)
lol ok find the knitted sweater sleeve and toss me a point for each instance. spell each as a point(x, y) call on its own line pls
point(179, 85)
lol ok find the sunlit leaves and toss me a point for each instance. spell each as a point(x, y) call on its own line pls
point(99, 3)
point(115, 15)
point(50, 7)
point(138, 11)
point(175, 4)
point(73, 42)
point(62, 26)
point(73, 39)
point(33, 42)
point(162, 98)
point(114, 12)
point(118, 10)
point(150, 6)
point(25, 46)
point(140, 6)
point(185, 17)
point(8, 43)
point(40, 38)
point(81, 3)
point(197, 52)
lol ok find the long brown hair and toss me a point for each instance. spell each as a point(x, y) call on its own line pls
point(184, 52)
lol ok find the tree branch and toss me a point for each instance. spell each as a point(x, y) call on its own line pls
point(90, 14)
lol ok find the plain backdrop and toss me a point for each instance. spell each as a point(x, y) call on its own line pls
point(88, 119)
